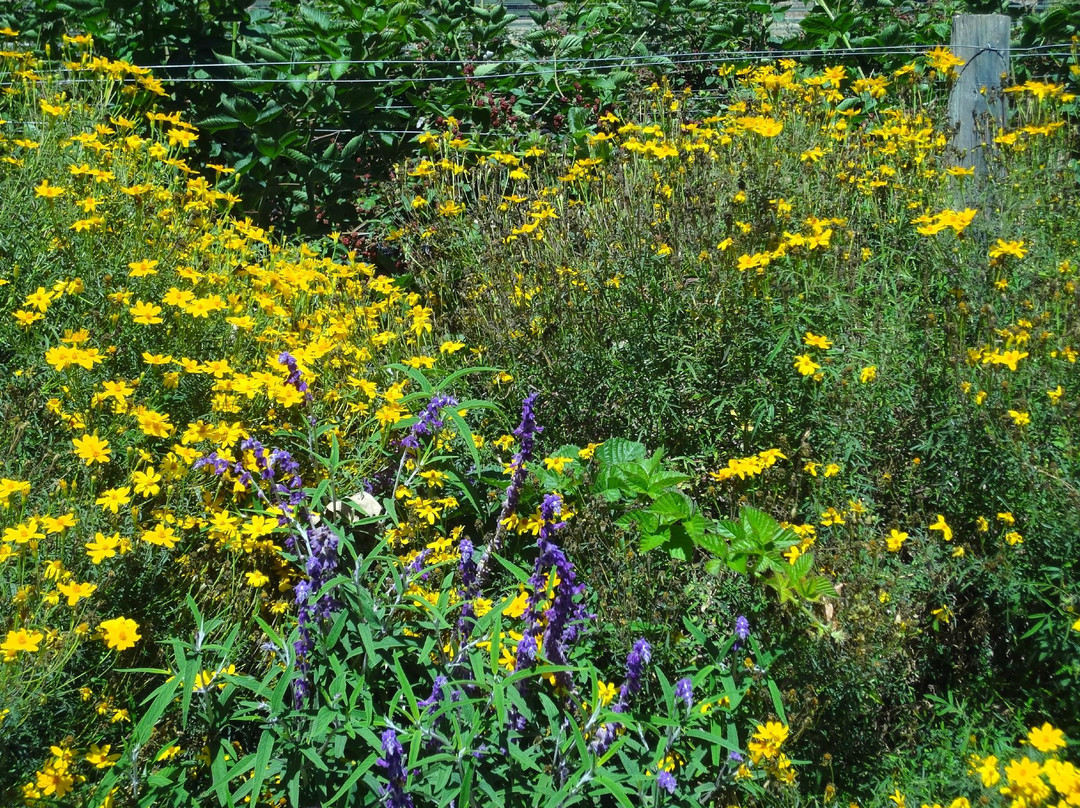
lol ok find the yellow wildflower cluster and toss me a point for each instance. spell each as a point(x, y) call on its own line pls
point(747, 467)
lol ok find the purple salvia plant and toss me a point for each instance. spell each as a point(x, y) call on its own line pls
point(431, 703)
point(684, 692)
point(311, 607)
point(467, 577)
point(526, 433)
point(393, 761)
point(564, 616)
point(279, 482)
point(742, 631)
point(296, 378)
point(636, 661)
point(666, 781)
point(429, 422)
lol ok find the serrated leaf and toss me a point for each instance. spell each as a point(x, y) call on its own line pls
point(671, 506)
point(619, 450)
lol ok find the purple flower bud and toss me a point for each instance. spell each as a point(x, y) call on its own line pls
point(467, 566)
point(429, 421)
point(684, 690)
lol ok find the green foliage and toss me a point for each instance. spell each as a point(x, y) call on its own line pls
point(390, 665)
point(628, 283)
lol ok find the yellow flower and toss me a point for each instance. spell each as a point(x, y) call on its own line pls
point(146, 482)
point(257, 579)
point(76, 592)
point(832, 470)
point(99, 757)
point(557, 464)
point(588, 452)
point(47, 191)
point(113, 498)
point(1015, 248)
point(120, 633)
point(805, 365)
point(91, 449)
point(815, 341)
point(943, 613)
point(896, 540)
point(154, 424)
point(868, 374)
point(1020, 418)
point(23, 533)
point(140, 269)
point(145, 313)
point(161, 535)
point(517, 605)
point(102, 547)
point(766, 741)
point(608, 691)
point(946, 531)
point(1046, 738)
point(21, 641)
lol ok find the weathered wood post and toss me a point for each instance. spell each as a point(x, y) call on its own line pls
point(976, 104)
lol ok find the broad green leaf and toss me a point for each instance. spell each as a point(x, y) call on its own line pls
point(619, 450)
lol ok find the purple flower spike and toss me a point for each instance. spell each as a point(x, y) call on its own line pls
point(666, 781)
point(636, 660)
point(742, 631)
point(394, 791)
point(431, 703)
point(684, 691)
point(566, 613)
point(742, 627)
point(296, 378)
point(429, 421)
point(526, 433)
point(320, 566)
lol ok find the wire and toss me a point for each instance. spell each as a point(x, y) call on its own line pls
point(667, 60)
point(645, 58)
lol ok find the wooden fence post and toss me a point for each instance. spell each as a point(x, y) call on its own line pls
point(976, 104)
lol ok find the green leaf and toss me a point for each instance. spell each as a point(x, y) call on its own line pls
point(465, 433)
point(664, 478)
point(619, 450)
point(650, 541)
point(614, 789)
point(359, 771)
point(671, 506)
point(713, 542)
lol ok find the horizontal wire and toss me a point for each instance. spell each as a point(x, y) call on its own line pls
point(869, 49)
point(703, 58)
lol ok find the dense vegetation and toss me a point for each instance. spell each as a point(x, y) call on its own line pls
point(720, 451)
point(340, 87)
